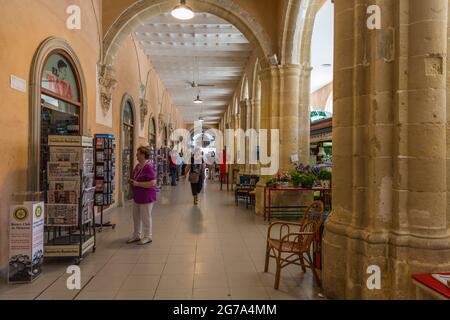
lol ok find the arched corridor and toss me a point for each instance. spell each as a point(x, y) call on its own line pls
point(285, 103)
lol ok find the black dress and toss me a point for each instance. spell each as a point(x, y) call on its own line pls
point(197, 187)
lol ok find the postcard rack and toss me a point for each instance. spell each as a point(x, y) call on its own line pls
point(105, 167)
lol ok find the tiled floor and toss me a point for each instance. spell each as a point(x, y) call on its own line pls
point(211, 252)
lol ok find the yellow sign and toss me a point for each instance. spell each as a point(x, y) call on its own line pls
point(38, 212)
point(21, 214)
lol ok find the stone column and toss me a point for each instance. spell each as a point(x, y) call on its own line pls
point(256, 124)
point(304, 116)
point(289, 116)
point(243, 127)
point(280, 111)
point(389, 190)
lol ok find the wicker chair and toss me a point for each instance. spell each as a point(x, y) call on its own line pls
point(294, 241)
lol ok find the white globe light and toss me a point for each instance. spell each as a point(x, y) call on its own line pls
point(182, 12)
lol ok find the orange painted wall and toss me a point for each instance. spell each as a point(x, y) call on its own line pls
point(25, 24)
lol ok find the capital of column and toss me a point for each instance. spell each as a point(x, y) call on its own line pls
point(286, 70)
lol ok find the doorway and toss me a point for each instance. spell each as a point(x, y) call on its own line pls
point(128, 125)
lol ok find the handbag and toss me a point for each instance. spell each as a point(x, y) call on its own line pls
point(194, 177)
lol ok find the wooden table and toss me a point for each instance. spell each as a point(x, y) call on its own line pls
point(290, 211)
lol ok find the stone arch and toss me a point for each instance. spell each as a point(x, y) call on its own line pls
point(256, 82)
point(46, 48)
point(140, 11)
point(245, 90)
point(298, 25)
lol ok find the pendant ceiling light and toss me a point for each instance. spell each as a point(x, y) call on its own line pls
point(198, 100)
point(183, 11)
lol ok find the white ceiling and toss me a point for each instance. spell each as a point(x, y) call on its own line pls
point(207, 50)
point(322, 47)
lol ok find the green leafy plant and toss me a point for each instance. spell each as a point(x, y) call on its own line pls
point(308, 180)
point(324, 175)
point(297, 178)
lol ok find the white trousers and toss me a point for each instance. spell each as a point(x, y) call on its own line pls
point(142, 216)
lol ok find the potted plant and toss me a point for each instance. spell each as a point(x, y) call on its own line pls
point(308, 181)
point(283, 179)
point(296, 179)
point(325, 178)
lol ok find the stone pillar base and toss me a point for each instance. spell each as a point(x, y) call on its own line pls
point(349, 252)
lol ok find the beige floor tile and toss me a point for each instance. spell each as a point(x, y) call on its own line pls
point(61, 284)
point(286, 281)
point(212, 280)
point(136, 295)
point(212, 294)
point(153, 259)
point(213, 257)
point(174, 258)
point(116, 269)
point(169, 282)
point(36, 287)
point(174, 294)
point(183, 250)
point(281, 294)
point(96, 295)
point(105, 283)
point(244, 280)
point(209, 267)
point(182, 268)
point(124, 259)
point(17, 297)
point(140, 283)
point(57, 296)
point(249, 293)
point(147, 269)
point(240, 267)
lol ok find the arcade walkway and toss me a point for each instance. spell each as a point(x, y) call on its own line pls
point(215, 251)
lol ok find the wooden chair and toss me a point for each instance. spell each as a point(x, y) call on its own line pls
point(294, 242)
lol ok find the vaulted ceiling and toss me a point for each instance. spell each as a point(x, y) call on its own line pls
point(206, 50)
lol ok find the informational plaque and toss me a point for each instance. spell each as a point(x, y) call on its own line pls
point(26, 243)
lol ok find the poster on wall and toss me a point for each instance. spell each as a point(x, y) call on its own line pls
point(26, 242)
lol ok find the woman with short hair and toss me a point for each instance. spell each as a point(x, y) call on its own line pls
point(144, 193)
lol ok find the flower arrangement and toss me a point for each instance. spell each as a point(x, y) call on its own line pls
point(281, 179)
point(302, 176)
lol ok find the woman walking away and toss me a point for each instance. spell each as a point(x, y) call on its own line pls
point(144, 191)
point(173, 167)
point(196, 172)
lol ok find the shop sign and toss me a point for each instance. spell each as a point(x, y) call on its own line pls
point(70, 141)
point(322, 137)
point(26, 243)
point(18, 84)
point(59, 78)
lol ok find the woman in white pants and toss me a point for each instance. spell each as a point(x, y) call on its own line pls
point(144, 192)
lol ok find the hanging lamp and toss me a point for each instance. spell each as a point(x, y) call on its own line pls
point(183, 11)
point(198, 100)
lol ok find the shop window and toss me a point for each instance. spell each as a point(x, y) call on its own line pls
point(61, 105)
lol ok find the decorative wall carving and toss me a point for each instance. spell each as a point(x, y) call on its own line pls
point(161, 122)
point(108, 84)
point(143, 105)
